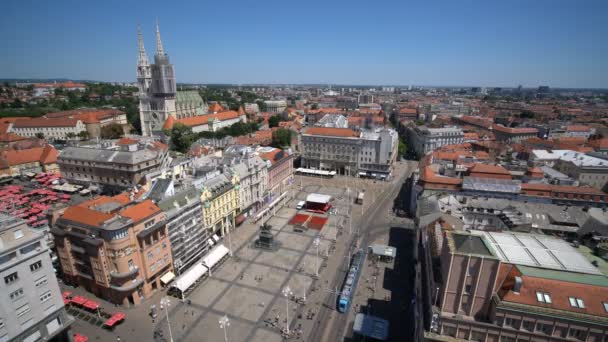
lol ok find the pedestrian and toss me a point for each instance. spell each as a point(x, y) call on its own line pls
point(118, 339)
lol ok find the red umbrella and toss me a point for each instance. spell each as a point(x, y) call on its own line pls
point(92, 305)
point(80, 300)
point(80, 338)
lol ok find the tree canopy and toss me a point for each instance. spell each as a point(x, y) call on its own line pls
point(112, 131)
point(281, 138)
point(181, 137)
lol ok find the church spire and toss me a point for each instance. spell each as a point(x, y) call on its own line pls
point(159, 43)
point(142, 59)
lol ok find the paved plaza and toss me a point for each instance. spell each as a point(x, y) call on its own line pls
point(248, 287)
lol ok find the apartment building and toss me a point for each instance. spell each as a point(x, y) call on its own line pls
point(280, 173)
point(32, 308)
point(514, 286)
point(349, 152)
point(36, 159)
point(115, 247)
point(115, 166)
point(184, 211)
point(275, 106)
point(220, 198)
point(424, 140)
point(60, 128)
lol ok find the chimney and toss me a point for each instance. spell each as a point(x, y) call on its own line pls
point(518, 284)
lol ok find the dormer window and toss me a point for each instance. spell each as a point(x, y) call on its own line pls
point(576, 302)
point(543, 297)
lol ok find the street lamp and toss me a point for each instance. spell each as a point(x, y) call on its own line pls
point(287, 293)
point(224, 324)
point(228, 233)
point(317, 242)
point(164, 304)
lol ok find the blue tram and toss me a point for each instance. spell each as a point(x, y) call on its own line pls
point(350, 285)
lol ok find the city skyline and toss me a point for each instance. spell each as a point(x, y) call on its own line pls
point(272, 43)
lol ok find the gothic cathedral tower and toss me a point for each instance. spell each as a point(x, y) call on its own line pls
point(157, 90)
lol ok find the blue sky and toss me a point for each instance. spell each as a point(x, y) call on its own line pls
point(452, 42)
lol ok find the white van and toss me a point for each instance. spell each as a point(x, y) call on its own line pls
point(300, 205)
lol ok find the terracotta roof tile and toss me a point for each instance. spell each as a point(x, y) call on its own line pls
point(140, 211)
point(44, 155)
point(44, 122)
point(204, 119)
point(332, 132)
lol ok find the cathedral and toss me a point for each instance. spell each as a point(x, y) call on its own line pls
point(158, 96)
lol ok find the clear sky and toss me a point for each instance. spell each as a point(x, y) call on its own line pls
point(453, 42)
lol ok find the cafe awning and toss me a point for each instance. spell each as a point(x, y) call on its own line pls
point(166, 279)
point(80, 338)
point(117, 317)
point(80, 300)
point(92, 305)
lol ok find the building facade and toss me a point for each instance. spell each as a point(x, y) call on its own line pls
point(32, 307)
point(157, 89)
point(221, 203)
point(187, 232)
point(424, 140)
point(115, 166)
point(280, 172)
point(253, 175)
point(115, 247)
point(489, 292)
point(36, 159)
point(275, 106)
point(349, 152)
point(50, 128)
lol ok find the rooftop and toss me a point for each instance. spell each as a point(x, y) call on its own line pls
point(332, 132)
point(538, 251)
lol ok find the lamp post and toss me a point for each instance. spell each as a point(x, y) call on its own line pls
point(317, 242)
point(228, 233)
point(164, 304)
point(224, 324)
point(287, 293)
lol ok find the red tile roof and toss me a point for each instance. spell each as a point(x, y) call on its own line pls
point(516, 130)
point(578, 128)
point(140, 211)
point(10, 137)
point(204, 119)
point(44, 122)
point(44, 155)
point(126, 141)
point(562, 188)
point(560, 292)
point(489, 169)
point(332, 132)
point(216, 108)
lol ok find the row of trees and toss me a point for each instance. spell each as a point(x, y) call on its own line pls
point(182, 136)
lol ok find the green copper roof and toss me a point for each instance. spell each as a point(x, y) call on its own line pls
point(572, 277)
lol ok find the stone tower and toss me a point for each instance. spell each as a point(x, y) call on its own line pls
point(157, 90)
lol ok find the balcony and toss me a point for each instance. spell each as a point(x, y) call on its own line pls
point(122, 275)
point(129, 286)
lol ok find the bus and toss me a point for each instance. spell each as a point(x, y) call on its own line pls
point(359, 199)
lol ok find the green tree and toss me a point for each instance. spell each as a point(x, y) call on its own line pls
point(40, 135)
point(274, 120)
point(70, 135)
point(112, 131)
point(181, 137)
point(314, 106)
point(281, 138)
point(402, 148)
point(84, 135)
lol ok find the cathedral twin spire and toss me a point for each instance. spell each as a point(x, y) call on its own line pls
point(142, 59)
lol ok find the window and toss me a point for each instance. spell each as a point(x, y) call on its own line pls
point(152, 267)
point(576, 333)
point(16, 294)
point(543, 297)
point(576, 302)
point(545, 328)
point(150, 255)
point(528, 325)
point(467, 288)
point(23, 310)
point(166, 258)
point(29, 248)
point(41, 282)
point(36, 266)
point(131, 265)
point(511, 322)
point(45, 296)
point(11, 278)
point(18, 234)
point(606, 306)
